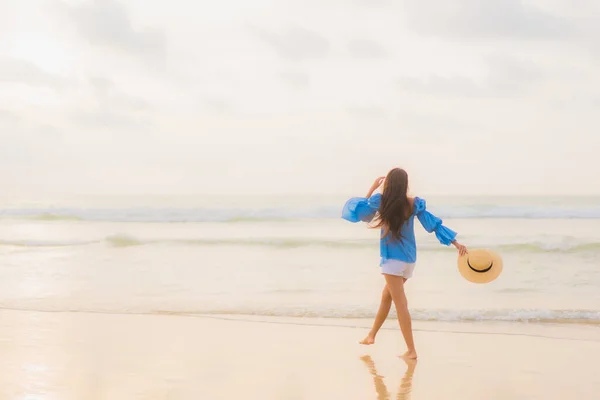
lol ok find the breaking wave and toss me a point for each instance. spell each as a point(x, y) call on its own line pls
point(574, 316)
point(440, 315)
point(589, 210)
point(566, 245)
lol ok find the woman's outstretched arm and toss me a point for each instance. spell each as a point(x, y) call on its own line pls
point(431, 223)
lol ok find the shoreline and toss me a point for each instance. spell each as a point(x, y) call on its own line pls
point(361, 322)
point(82, 355)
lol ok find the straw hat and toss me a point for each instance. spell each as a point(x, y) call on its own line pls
point(480, 265)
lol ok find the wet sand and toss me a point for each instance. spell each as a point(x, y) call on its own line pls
point(101, 356)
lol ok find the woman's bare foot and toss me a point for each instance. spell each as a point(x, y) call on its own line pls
point(410, 355)
point(368, 340)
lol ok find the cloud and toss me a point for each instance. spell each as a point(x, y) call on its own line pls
point(101, 84)
point(442, 85)
point(312, 81)
point(108, 23)
point(218, 105)
point(10, 116)
point(361, 47)
point(581, 100)
point(108, 106)
point(509, 76)
point(108, 118)
point(363, 4)
point(108, 94)
point(368, 111)
point(432, 124)
point(4, 16)
point(295, 43)
point(505, 78)
point(295, 79)
point(14, 70)
point(478, 19)
point(369, 3)
point(30, 140)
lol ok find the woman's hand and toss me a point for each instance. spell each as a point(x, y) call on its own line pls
point(462, 249)
point(378, 183)
point(375, 185)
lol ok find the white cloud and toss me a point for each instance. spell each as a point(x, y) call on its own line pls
point(475, 20)
point(317, 96)
point(299, 80)
point(362, 47)
point(16, 71)
point(294, 43)
point(505, 78)
point(108, 23)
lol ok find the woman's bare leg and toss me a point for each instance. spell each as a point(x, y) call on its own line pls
point(382, 314)
point(395, 285)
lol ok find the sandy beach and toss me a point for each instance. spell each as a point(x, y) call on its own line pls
point(186, 187)
point(103, 356)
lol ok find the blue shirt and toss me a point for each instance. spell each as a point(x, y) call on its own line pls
point(362, 209)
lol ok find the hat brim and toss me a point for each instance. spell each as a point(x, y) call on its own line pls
point(481, 277)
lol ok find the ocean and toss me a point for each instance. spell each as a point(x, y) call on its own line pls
point(294, 257)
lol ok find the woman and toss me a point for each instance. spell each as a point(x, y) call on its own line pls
point(393, 212)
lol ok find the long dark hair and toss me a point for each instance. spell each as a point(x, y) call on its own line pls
point(395, 208)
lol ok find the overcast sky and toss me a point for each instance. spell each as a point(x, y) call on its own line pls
point(299, 96)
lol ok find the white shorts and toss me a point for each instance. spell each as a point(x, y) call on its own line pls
point(398, 268)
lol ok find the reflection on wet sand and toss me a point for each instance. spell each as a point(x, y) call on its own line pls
point(405, 383)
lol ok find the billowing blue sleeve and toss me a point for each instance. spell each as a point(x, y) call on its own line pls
point(431, 223)
point(361, 209)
